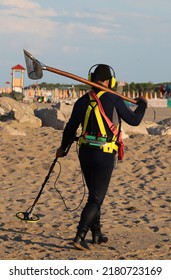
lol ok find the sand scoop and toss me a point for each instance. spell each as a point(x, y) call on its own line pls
point(35, 72)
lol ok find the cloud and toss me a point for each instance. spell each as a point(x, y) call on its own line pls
point(70, 49)
point(19, 4)
point(86, 25)
point(28, 18)
point(25, 17)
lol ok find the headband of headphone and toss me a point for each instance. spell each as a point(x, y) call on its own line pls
point(112, 81)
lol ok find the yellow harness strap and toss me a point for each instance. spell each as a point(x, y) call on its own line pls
point(107, 147)
point(97, 114)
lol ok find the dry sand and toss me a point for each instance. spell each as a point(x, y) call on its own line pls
point(136, 213)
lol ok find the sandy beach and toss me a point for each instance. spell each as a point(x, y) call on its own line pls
point(136, 214)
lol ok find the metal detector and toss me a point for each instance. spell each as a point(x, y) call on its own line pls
point(28, 216)
point(35, 72)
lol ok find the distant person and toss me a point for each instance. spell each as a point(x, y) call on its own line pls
point(97, 152)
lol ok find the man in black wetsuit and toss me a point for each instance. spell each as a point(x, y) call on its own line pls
point(96, 164)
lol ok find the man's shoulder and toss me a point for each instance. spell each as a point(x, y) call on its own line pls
point(83, 98)
point(112, 96)
point(82, 101)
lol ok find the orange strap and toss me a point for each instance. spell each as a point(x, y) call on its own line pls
point(112, 127)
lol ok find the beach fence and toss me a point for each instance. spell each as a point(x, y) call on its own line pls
point(57, 94)
point(162, 103)
point(54, 95)
point(155, 99)
point(169, 102)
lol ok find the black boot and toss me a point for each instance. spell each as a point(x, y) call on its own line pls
point(79, 241)
point(99, 238)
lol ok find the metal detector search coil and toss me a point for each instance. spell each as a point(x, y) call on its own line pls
point(24, 216)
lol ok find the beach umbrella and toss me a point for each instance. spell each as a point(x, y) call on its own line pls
point(168, 88)
point(163, 88)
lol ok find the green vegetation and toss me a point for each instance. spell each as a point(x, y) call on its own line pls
point(139, 87)
point(50, 86)
point(18, 96)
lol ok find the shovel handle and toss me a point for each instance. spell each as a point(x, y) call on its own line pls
point(85, 81)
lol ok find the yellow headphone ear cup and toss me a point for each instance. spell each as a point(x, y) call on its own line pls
point(89, 76)
point(112, 82)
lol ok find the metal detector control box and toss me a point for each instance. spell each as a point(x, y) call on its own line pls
point(95, 141)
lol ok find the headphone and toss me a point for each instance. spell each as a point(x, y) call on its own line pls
point(112, 81)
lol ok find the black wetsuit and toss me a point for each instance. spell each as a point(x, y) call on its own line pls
point(96, 165)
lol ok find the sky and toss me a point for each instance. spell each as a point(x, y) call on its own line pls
point(132, 36)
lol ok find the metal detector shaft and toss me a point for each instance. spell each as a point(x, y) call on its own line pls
point(85, 81)
point(44, 183)
point(29, 213)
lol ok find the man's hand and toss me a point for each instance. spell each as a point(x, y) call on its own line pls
point(141, 99)
point(60, 152)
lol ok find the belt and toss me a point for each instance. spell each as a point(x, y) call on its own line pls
point(95, 143)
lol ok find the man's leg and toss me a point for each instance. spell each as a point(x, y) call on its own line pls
point(97, 168)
